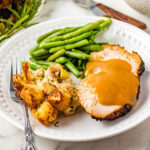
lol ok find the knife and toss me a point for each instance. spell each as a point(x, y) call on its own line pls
point(101, 10)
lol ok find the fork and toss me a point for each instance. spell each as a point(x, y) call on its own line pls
point(28, 132)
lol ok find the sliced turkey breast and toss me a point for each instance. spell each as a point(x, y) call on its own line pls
point(90, 101)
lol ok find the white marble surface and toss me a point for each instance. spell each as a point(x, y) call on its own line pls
point(138, 138)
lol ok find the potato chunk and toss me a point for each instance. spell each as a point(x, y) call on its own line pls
point(33, 95)
point(45, 113)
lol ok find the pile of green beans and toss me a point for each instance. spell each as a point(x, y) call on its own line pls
point(70, 46)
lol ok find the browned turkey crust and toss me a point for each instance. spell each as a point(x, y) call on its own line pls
point(123, 110)
point(119, 113)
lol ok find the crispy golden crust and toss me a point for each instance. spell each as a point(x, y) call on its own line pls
point(32, 95)
point(45, 113)
point(105, 54)
point(116, 114)
point(33, 88)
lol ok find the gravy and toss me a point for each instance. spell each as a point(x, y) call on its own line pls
point(111, 81)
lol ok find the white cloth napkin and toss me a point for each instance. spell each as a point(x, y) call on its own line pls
point(143, 6)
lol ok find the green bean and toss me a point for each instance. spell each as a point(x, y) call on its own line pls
point(98, 29)
point(87, 52)
point(70, 59)
point(56, 55)
point(40, 62)
point(92, 38)
point(77, 55)
point(78, 44)
point(80, 68)
point(83, 66)
point(40, 52)
point(104, 25)
point(33, 67)
point(86, 28)
point(44, 66)
point(73, 69)
point(94, 47)
point(65, 67)
point(79, 62)
point(22, 63)
point(74, 60)
point(69, 41)
point(42, 37)
point(61, 60)
point(34, 49)
point(70, 46)
point(103, 43)
point(41, 57)
point(61, 32)
point(78, 51)
point(55, 49)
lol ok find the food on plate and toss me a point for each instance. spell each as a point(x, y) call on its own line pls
point(16, 15)
point(70, 46)
point(110, 75)
point(111, 85)
point(46, 92)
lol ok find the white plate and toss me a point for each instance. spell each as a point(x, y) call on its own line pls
point(79, 127)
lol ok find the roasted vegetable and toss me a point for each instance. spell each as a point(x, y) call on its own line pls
point(70, 46)
point(16, 15)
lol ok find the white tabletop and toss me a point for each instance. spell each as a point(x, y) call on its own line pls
point(138, 138)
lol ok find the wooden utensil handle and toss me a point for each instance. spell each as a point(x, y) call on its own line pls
point(120, 16)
